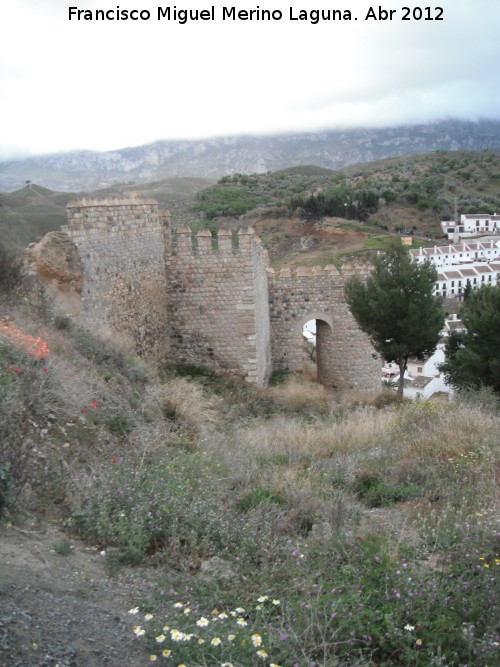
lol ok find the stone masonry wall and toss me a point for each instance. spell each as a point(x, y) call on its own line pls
point(121, 247)
point(345, 356)
point(218, 309)
point(211, 302)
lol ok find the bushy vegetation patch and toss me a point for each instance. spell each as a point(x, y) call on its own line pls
point(286, 528)
point(424, 188)
point(375, 492)
point(345, 602)
point(172, 509)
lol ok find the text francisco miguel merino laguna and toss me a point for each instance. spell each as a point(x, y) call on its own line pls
point(182, 16)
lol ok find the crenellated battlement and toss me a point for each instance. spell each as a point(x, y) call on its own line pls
point(184, 241)
point(301, 272)
point(317, 272)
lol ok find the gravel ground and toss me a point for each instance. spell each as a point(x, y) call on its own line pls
point(65, 610)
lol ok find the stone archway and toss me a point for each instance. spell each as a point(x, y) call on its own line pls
point(324, 343)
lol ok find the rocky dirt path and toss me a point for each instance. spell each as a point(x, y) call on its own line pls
point(65, 610)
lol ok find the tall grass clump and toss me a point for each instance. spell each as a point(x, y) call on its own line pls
point(301, 395)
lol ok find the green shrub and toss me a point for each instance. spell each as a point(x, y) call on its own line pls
point(278, 378)
point(255, 498)
point(174, 509)
point(375, 492)
point(119, 424)
point(63, 547)
point(63, 322)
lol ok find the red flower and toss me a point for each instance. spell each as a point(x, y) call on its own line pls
point(85, 410)
point(17, 371)
point(93, 403)
point(114, 460)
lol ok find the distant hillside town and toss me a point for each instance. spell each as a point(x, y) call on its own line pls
point(462, 266)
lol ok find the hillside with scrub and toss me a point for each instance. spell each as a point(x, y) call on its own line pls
point(166, 514)
point(305, 215)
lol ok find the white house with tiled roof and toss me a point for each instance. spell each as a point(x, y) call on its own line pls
point(422, 378)
point(453, 280)
point(474, 263)
point(471, 224)
point(458, 253)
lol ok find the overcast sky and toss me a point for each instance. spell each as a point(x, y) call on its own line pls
point(106, 85)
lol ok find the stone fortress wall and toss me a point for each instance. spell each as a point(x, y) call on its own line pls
point(121, 247)
point(212, 302)
point(344, 355)
point(218, 310)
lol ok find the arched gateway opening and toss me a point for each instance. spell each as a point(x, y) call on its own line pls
point(318, 344)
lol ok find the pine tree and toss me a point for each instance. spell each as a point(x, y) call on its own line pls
point(395, 306)
point(473, 355)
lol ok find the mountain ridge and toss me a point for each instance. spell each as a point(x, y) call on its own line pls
point(216, 157)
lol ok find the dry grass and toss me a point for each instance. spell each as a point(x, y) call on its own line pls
point(295, 439)
point(301, 393)
point(439, 447)
point(187, 403)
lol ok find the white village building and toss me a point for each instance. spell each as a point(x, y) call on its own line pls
point(423, 378)
point(476, 263)
point(458, 253)
point(471, 224)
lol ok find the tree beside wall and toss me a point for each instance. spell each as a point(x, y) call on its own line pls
point(473, 354)
point(396, 307)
